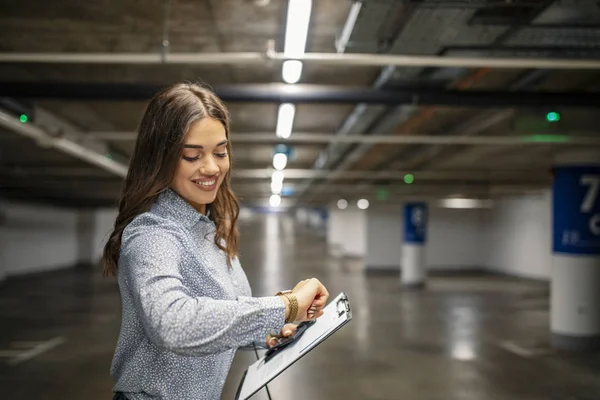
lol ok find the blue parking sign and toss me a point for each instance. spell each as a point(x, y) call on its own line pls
point(415, 223)
point(576, 210)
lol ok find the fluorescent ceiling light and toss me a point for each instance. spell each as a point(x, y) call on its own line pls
point(296, 30)
point(279, 161)
point(291, 71)
point(276, 187)
point(363, 204)
point(285, 120)
point(277, 176)
point(342, 204)
point(456, 202)
point(275, 200)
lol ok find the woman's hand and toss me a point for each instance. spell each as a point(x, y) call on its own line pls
point(312, 297)
point(286, 331)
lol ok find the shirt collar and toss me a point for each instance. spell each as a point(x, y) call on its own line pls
point(172, 204)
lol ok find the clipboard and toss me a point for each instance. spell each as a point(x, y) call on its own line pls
point(335, 315)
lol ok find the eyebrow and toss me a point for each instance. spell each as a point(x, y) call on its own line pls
point(197, 146)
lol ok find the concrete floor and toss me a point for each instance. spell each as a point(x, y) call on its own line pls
point(477, 337)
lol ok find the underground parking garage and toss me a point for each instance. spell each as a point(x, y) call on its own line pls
point(437, 163)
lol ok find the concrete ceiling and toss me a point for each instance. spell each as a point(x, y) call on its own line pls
point(31, 172)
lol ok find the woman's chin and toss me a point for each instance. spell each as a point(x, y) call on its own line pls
point(205, 198)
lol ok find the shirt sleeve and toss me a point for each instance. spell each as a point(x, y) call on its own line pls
point(173, 318)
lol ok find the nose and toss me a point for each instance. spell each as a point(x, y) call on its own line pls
point(209, 167)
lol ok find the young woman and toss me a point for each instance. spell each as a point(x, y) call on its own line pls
point(186, 302)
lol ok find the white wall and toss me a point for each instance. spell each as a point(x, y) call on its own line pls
point(456, 238)
point(513, 238)
point(34, 238)
point(37, 238)
point(520, 236)
point(103, 225)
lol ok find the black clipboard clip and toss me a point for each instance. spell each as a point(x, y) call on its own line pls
point(343, 306)
point(284, 342)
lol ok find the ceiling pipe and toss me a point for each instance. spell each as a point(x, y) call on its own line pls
point(104, 188)
point(455, 178)
point(460, 175)
point(334, 59)
point(310, 93)
point(573, 138)
point(437, 177)
point(62, 144)
point(342, 42)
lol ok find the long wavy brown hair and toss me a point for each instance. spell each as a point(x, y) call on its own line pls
point(158, 149)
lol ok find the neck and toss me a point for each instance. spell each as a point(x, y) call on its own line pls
point(201, 208)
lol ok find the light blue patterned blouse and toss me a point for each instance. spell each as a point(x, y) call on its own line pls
point(184, 311)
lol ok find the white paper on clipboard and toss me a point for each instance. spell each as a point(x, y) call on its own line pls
point(335, 315)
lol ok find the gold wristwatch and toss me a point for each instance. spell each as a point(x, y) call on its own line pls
point(293, 304)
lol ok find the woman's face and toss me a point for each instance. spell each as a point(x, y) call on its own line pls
point(204, 163)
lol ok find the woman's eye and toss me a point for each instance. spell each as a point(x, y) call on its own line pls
point(191, 158)
point(221, 155)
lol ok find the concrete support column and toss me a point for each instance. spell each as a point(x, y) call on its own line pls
point(347, 232)
point(575, 288)
point(335, 230)
point(383, 236)
point(302, 217)
point(414, 263)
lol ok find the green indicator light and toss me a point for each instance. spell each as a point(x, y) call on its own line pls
point(409, 178)
point(382, 194)
point(553, 116)
point(23, 118)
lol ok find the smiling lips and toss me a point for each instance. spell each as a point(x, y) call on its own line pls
point(206, 184)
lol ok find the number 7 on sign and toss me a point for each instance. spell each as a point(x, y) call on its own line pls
point(593, 181)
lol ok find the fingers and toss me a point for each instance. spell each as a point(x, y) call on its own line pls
point(288, 330)
point(313, 314)
point(310, 313)
point(318, 303)
point(320, 300)
point(272, 341)
point(322, 292)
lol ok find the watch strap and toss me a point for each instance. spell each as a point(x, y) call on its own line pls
point(293, 305)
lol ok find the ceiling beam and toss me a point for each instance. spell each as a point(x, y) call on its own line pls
point(573, 138)
point(335, 59)
point(457, 175)
point(532, 175)
point(101, 189)
point(307, 93)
